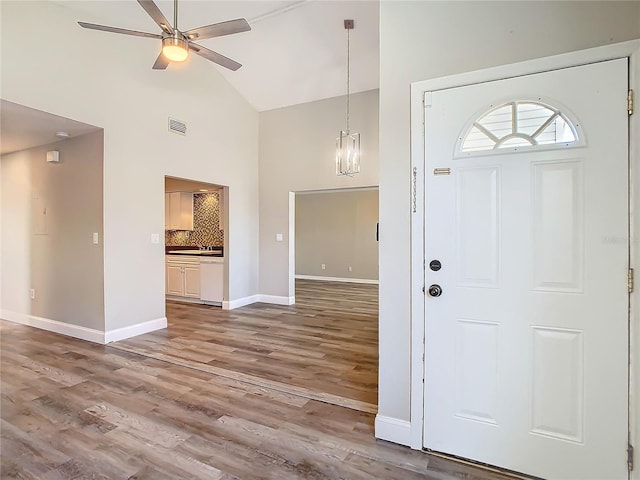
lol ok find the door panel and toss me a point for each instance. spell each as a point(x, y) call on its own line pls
point(526, 349)
point(175, 283)
point(192, 281)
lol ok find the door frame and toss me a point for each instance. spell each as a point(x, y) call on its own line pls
point(630, 50)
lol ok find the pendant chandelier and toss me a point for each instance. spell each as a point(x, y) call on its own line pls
point(348, 142)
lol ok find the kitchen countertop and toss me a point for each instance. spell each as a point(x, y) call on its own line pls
point(202, 253)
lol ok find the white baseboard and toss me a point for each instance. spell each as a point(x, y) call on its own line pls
point(273, 299)
point(277, 299)
point(393, 430)
point(76, 331)
point(84, 333)
point(134, 330)
point(176, 298)
point(337, 279)
point(239, 302)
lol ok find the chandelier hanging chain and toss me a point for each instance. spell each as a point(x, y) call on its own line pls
point(348, 73)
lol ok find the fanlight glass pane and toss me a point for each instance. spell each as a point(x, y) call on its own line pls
point(518, 124)
point(531, 116)
point(477, 140)
point(498, 121)
point(558, 131)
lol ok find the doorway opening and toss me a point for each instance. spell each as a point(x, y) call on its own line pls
point(333, 270)
point(196, 216)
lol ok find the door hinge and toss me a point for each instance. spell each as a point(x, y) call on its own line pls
point(630, 102)
point(630, 280)
point(630, 457)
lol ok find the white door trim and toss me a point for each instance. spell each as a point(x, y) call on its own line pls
point(629, 50)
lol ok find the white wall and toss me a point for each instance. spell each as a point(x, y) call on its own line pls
point(15, 246)
point(297, 153)
point(106, 80)
point(423, 40)
point(49, 215)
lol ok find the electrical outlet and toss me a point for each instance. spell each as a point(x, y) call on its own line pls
point(32, 293)
point(324, 267)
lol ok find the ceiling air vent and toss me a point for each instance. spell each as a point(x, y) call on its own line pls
point(176, 126)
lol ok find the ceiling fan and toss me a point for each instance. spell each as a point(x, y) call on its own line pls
point(175, 43)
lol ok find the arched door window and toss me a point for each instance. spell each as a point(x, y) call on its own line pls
point(519, 125)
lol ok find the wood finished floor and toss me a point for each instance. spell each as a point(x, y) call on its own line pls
point(325, 347)
point(76, 410)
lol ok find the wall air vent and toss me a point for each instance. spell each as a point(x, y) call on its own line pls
point(176, 126)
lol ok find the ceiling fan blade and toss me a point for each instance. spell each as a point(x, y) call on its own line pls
point(161, 62)
point(154, 12)
point(218, 29)
point(124, 31)
point(215, 57)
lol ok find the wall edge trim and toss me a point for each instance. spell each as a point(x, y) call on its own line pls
point(277, 299)
point(55, 326)
point(239, 302)
point(134, 330)
point(393, 430)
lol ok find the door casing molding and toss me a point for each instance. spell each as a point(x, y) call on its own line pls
point(630, 50)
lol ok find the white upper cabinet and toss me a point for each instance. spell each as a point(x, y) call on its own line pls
point(178, 211)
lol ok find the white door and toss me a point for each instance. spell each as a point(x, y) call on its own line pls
point(526, 348)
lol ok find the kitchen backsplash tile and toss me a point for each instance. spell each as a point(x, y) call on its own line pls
point(206, 224)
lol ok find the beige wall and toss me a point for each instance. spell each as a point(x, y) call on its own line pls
point(49, 214)
point(297, 153)
point(337, 229)
point(83, 75)
point(423, 40)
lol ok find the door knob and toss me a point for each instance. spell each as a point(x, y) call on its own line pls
point(435, 290)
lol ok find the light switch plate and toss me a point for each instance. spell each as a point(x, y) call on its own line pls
point(96, 238)
point(155, 238)
point(279, 237)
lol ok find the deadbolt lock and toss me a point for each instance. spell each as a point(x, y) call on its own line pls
point(435, 290)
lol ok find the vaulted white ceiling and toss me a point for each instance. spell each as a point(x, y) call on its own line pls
point(294, 53)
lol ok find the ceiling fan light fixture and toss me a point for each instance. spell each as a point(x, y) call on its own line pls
point(175, 49)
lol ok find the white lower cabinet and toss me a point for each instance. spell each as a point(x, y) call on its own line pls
point(175, 279)
point(183, 277)
point(192, 281)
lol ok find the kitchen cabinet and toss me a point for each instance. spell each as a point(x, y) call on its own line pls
point(178, 211)
point(183, 277)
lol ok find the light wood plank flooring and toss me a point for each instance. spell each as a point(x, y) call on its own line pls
point(323, 348)
point(75, 410)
